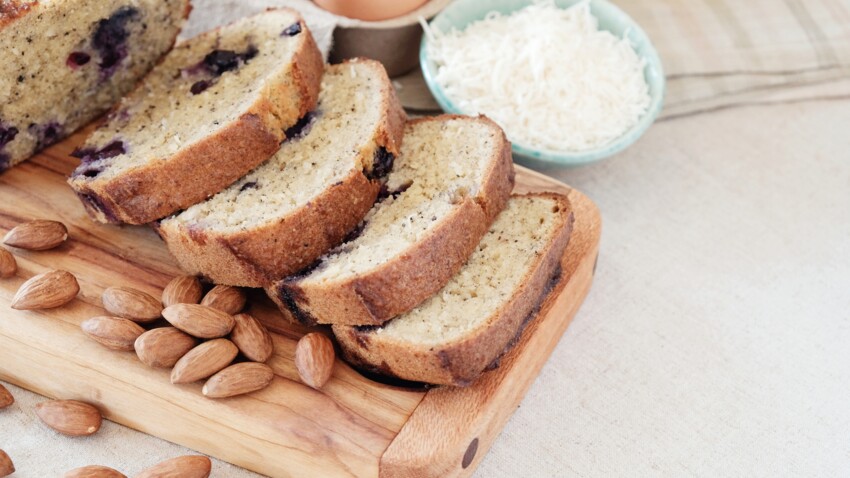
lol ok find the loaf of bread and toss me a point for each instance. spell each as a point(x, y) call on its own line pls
point(216, 107)
point(67, 61)
point(454, 336)
point(303, 201)
point(454, 175)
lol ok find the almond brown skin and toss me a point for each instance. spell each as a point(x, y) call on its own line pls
point(46, 291)
point(38, 235)
point(252, 338)
point(94, 471)
point(6, 465)
point(203, 361)
point(8, 264)
point(226, 299)
point(6, 398)
point(163, 347)
point(131, 304)
point(199, 320)
point(112, 332)
point(239, 379)
point(70, 417)
point(182, 290)
point(180, 467)
point(314, 359)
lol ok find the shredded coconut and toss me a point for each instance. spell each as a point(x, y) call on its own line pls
point(547, 75)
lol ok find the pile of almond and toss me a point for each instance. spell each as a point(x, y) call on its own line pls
point(204, 335)
point(206, 332)
point(43, 291)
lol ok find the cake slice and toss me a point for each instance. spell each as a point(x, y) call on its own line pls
point(215, 108)
point(303, 201)
point(462, 330)
point(454, 175)
point(67, 61)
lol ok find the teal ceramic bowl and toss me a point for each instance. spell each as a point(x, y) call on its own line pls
point(461, 13)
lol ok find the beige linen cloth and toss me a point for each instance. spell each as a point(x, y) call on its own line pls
point(715, 339)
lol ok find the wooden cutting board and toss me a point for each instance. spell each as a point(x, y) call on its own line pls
point(353, 427)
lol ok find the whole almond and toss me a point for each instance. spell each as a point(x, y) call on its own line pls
point(6, 398)
point(239, 379)
point(46, 291)
point(203, 361)
point(94, 471)
point(70, 417)
point(314, 359)
point(225, 298)
point(180, 467)
point(131, 304)
point(252, 338)
point(163, 347)
point(199, 320)
point(8, 264)
point(6, 465)
point(182, 290)
point(113, 332)
point(37, 235)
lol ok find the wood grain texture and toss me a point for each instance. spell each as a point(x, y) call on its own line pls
point(450, 431)
point(352, 427)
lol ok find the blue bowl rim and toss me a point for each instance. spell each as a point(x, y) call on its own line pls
point(561, 158)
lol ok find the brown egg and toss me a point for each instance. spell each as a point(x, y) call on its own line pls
point(370, 10)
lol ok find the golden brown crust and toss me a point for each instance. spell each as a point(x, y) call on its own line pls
point(148, 193)
point(402, 283)
point(461, 361)
point(258, 256)
point(255, 257)
point(13, 10)
point(204, 168)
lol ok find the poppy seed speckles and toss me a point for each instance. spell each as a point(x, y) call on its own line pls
point(291, 30)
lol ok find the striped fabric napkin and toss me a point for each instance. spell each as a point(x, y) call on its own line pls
point(723, 53)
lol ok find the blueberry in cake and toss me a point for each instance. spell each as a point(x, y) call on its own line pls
point(67, 61)
point(216, 107)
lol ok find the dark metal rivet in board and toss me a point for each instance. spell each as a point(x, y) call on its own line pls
point(470, 454)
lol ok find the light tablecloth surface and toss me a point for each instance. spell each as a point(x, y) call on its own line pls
point(715, 339)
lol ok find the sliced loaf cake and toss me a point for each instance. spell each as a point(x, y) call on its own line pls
point(303, 201)
point(215, 108)
point(458, 333)
point(67, 61)
point(454, 175)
